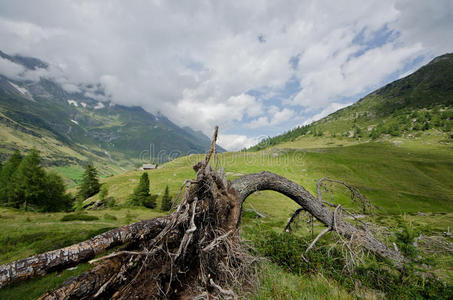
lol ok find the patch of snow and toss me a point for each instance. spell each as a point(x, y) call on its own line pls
point(73, 102)
point(20, 89)
point(83, 104)
point(99, 105)
point(75, 122)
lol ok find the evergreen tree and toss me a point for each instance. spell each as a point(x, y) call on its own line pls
point(166, 201)
point(375, 133)
point(6, 176)
point(28, 182)
point(90, 183)
point(55, 198)
point(141, 195)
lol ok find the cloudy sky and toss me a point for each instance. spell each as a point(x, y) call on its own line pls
point(256, 68)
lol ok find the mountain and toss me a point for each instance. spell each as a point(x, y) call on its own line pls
point(415, 106)
point(72, 128)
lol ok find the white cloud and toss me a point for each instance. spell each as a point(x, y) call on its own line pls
point(10, 69)
point(332, 107)
point(198, 62)
point(276, 117)
point(235, 142)
point(257, 123)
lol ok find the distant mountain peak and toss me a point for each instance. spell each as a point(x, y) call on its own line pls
point(30, 63)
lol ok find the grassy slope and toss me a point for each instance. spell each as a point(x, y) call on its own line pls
point(412, 176)
point(408, 176)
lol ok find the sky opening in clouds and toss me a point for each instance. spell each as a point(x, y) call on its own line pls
point(256, 68)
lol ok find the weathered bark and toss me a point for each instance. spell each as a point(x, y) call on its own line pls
point(248, 184)
point(81, 287)
point(292, 219)
point(198, 252)
point(42, 264)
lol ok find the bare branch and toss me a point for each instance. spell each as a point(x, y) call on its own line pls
point(292, 219)
point(317, 238)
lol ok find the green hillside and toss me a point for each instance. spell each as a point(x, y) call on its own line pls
point(411, 176)
point(411, 180)
point(71, 129)
point(415, 107)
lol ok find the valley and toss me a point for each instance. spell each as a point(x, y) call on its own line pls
point(395, 145)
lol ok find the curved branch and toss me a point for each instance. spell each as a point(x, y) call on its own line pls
point(248, 184)
point(356, 195)
point(42, 264)
point(291, 220)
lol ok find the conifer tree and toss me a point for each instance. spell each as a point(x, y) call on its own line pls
point(141, 195)
point(28, 182)
point(6, 176)
point(166, 201)
point(90, 183)
point(55, 198)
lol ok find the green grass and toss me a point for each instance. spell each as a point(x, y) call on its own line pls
point(24, 234)
point(410, 176)
point(72, 173)
point(37, 286)
point(400, 178)
point(276, 283)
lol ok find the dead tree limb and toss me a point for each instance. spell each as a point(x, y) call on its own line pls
point(42, 264)
point(356, 195)
point(292, 219)
point(248, 184)
point(317, 238)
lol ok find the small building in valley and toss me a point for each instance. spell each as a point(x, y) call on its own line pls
point(145, 167)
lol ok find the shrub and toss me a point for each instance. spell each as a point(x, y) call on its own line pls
point(78, 217)
point(150, 202)
point(110, 217)
point(287, 249)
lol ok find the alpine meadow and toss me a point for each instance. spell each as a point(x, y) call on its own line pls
point(226, 150)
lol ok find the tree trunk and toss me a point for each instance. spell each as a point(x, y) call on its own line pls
point(248, 184)
point(42, 264)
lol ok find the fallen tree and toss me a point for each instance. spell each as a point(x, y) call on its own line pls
point(195, 252)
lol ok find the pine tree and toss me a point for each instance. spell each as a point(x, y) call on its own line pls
point(141, 195)
point(90, 183)
point(6, 176)
point(166, 201)
point(55, 198)
point(28, 182)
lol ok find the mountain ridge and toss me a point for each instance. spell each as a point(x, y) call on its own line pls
point(44, 115)
point(407, 107)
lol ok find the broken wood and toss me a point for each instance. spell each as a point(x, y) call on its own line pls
point(248, 184)
point(42, 264)
point(292, 219)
